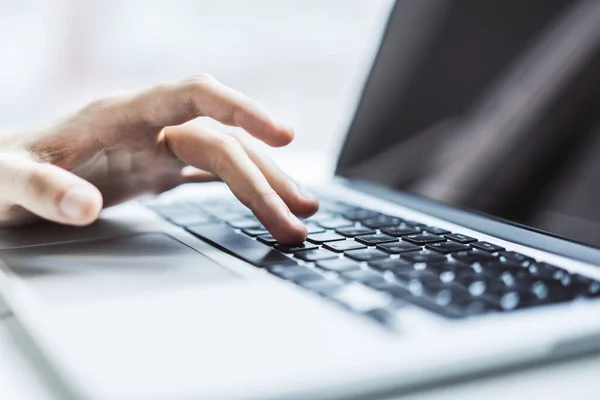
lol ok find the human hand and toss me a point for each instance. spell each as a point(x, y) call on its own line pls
point(123, 146)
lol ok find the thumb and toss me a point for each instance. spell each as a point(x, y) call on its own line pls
point(47, 190)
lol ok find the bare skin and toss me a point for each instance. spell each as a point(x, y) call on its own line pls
point(123, 146)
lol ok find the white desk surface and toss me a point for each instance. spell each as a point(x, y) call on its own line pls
point(577, 378)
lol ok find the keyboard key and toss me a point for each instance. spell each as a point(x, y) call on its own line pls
point(323, 286)
point(497, 269)
point(166, 209)
point(566, 280)
point(294, 248)
point(288, 270)
point(335, 207)
point(400, 230)
point(382, 285)
point(320, 238)
point(360, 298)
point(224, 210)
point(515, 257)
point(416, 280)
point(362, 276)
point(194, 218)
point(451, 265)
point(447, 247)
point(394, 264)
point(241, 246)
point(486, 246)
point(417, 225)
point(320, 216)
point(217, 206)
point(296, 273)
point(517, 278)
point(585, 286)
point(313, 228)
point(366, 254)
point(445, 295)
point(423, 238)
point(460, 238)
point(377, 238)
point(482, 284)
point(246, 223)
point(358, 214)
point(552, 291)
point(505, 301)
point(315, 255)
point(424, 301)
point(423, 256)
point(335, 223)
point(232, 216)
point(343, 245)
point(471, 257)
point(407, 285)
point(500, 296)
point(255, 231)
point(548, 271)
point(352, 231)
point(381, 221)
point(338, 265)
point(267, 239)
point(445, 271)
point(398, 247)
point(461, 276)
point(435, 230)
point(458, 300)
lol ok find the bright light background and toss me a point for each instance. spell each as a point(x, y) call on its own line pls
point(306, 60)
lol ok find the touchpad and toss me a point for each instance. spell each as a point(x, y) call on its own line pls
point(109, 267)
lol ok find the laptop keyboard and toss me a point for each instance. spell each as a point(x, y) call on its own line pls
point(376, 264)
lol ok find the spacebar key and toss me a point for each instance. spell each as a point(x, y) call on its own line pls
point(225, 238)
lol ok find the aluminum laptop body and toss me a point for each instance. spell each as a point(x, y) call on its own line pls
point(138, 306)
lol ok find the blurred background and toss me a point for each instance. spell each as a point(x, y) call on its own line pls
point(306, 60)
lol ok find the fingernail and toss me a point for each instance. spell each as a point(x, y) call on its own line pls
point(304, 193)
point(75, 202)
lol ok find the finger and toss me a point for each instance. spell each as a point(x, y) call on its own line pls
point(191, 174)
point(225, 157)
point(48, 191)
point(177, 102)
point(298, 198)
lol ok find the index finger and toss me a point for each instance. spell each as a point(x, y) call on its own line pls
point(174, 103)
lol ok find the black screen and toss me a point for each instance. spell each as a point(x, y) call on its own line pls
point(488, 105)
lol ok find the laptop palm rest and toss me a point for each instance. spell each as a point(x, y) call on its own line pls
point(91, 269)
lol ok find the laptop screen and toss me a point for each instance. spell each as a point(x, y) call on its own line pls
point(492, 106)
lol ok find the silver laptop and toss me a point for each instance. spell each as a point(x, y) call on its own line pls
point(461, 234)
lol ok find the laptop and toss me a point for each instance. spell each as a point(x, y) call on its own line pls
point(460, 235)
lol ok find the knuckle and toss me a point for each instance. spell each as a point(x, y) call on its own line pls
point(229, 144)
point(193, 86)
point(201, 78)
point(255, 199)
point(36, 184)
point(22, 179)
point(227, 150)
